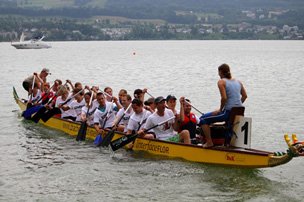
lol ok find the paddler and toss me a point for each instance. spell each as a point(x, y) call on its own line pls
point(94, 105)
point(76, 104)
point(122, 115)
point(138, 119)
point(40, 79)
point(168, 130)
point(189, 120)
point(104, 115)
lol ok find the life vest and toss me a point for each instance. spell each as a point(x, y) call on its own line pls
point(189, 124)
point(50, 95)
point(46, 97)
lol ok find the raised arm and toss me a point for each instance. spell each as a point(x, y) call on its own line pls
point(71, 84)
point(182, 109)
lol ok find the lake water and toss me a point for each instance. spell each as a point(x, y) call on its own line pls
point(40, 164)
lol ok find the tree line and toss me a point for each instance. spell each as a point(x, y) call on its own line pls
point(229, 16)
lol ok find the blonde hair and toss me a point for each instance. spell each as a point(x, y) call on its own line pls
point(62, 89)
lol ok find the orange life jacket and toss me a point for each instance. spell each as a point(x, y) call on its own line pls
point(189, 124)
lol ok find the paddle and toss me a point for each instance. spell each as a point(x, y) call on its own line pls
point(107, 139)
point(83, 127)
point(104, 123)
point(43, 109)
point(29, 104)
point(45, 95)
point(27, 114)
point(107, 94)
point(118, 105)
point(120, 142)
point(194, 107)
point(56, 110)
point(150, 94)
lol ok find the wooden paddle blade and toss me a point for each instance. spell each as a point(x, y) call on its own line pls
point(120, 142)
point(82, 132)
point(107, 139)
point(98, 139)
point(50, 113)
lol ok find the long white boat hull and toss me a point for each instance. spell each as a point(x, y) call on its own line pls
point(31, 45)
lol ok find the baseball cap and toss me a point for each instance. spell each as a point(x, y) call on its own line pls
point(159, 99)
point(46, 70)
point(169, 97)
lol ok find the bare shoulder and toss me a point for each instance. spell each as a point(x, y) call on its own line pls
point(221, 82)
point(240, 82)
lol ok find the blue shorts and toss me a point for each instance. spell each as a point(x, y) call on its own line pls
point(208, 118)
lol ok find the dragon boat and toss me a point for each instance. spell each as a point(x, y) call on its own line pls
point(238, 154)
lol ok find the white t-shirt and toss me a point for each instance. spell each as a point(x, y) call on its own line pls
point(90, 118)
point(125, 120)
point(164, 131)
point(67, 113)
point(76, 107)
point(197, 119)
point(115, 108)
point(177, 111)
point(37, 96)
point(137, 120)
point(103, 114)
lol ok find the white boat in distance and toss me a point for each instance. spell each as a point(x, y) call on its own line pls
point(35, 43)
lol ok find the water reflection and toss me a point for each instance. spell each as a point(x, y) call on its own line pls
point(40, 150)
point(201, 181)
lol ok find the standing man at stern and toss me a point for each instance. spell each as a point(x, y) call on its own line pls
point(40, 79)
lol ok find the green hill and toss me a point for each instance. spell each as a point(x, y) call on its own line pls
point(141, 4)
point(47, 4)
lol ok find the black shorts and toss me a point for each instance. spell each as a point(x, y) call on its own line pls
point(26, 86)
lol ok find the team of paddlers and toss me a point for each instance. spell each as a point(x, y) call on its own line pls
point(105, 112)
